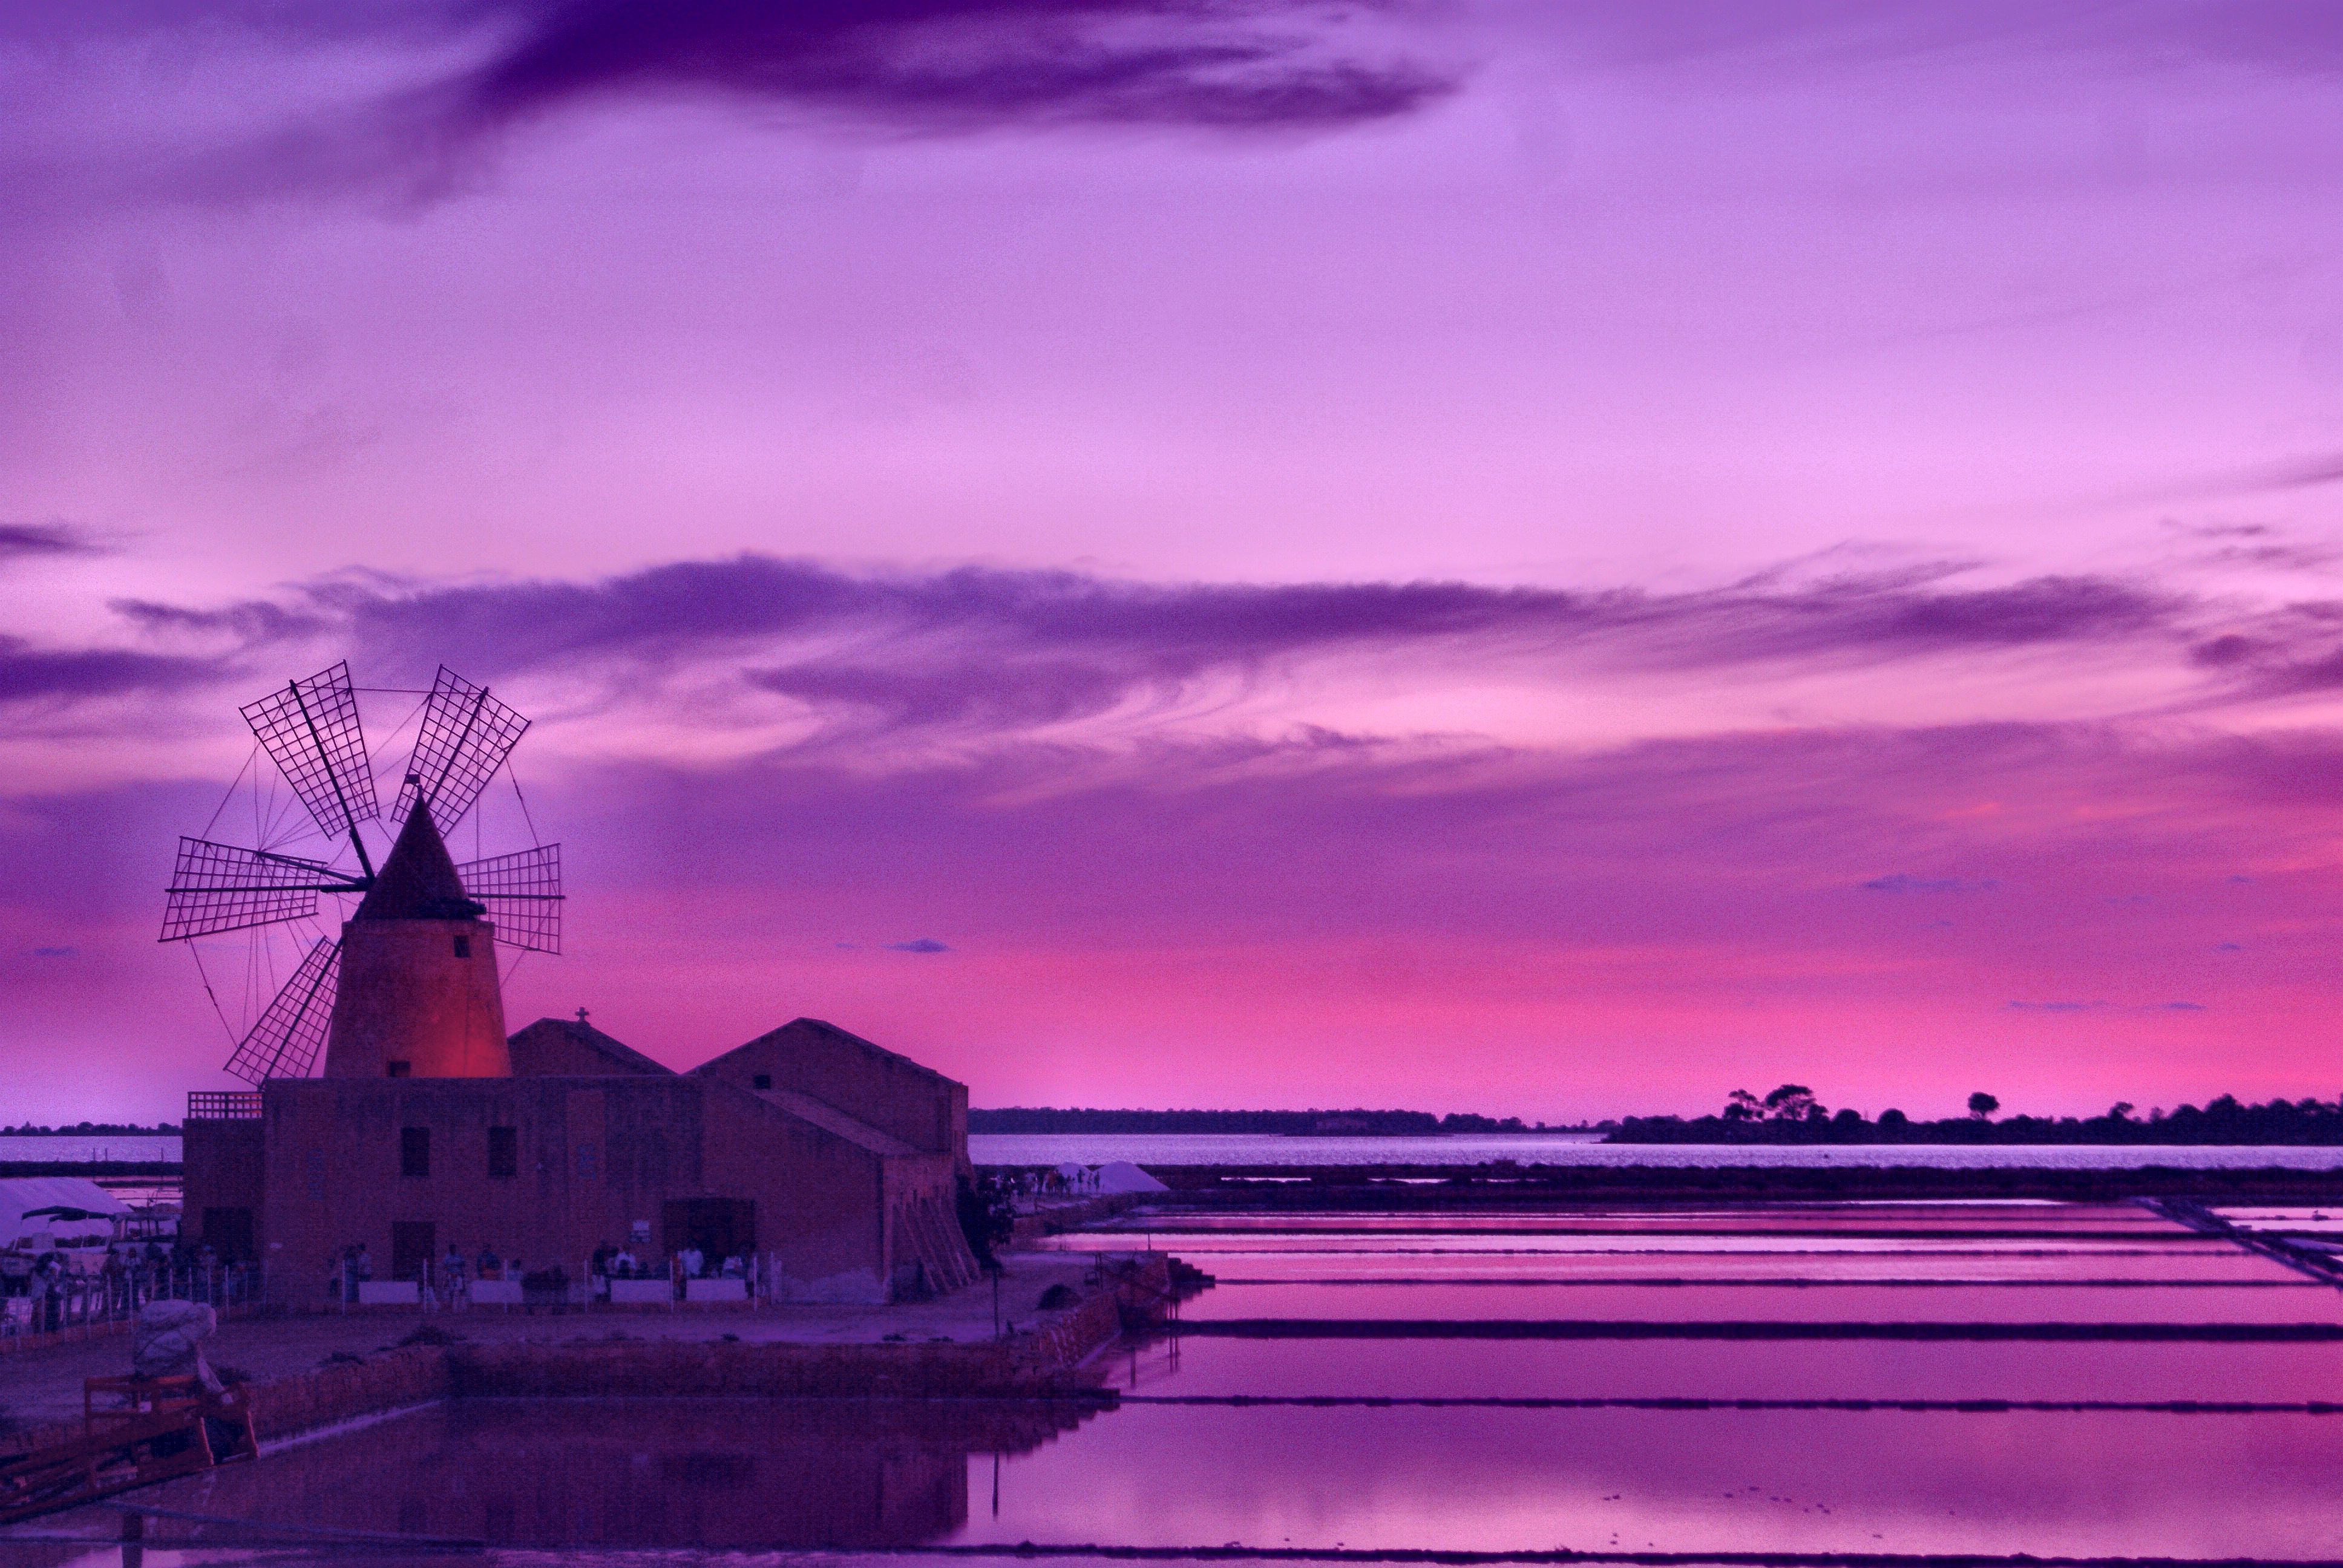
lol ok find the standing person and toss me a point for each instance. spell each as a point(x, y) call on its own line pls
point(53, 1269)
point(364, 1270)
point(36, 1290)
point(452, 1268)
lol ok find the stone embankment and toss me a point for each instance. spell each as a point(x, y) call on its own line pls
point(1044, 1360)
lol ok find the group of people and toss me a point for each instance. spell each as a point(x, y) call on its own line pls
point(445, 1284)
point(131, 1274)
point(623, 1263)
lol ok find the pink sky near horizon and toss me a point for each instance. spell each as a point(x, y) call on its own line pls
point(1575, 563)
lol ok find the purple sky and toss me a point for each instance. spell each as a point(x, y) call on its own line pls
point(1551, 559)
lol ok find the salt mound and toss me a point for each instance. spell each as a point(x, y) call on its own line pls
point(1122, 1176)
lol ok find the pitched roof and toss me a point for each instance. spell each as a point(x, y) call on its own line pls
point(623, 1058)
point(418, 883)
point(830, 1034)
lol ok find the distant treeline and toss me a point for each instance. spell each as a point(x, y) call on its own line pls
point(100, 1128)
point(1791, 1114)
point(1318, 1123)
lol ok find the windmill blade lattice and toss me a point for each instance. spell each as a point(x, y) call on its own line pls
point(466, 737)
point(523, 895)
point(311, 731)
point(225, 888)
point(285, 1041)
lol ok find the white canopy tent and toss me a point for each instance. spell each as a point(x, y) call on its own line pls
point(62, 1205)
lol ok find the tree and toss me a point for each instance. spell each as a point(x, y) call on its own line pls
point(1891, 1117)
point(2121, 1111)
point(1794, 1103)
point(1983, 1105)
point(1743, 1106)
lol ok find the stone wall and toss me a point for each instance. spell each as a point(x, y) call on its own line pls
point(1043, 1362)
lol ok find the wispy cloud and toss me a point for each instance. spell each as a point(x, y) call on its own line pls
point(1905, 882)
point(34, 541)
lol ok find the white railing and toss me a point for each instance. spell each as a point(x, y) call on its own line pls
point(71, 1305)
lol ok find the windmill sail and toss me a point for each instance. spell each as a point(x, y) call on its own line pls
point(522, 893)
point(310, 730)
point(465, 737)
point(225, 888)
point(291, 1031)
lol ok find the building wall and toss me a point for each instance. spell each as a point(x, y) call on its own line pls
point(594, 1155)
point(221, 1169)
point(406, 995)
point(890, 1093)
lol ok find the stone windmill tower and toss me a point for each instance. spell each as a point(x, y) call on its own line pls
point(407, 987)
point(418, 995)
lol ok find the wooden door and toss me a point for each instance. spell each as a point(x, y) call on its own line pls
point(411, 1248)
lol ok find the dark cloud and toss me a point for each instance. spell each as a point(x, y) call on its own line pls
point(919, 945)
point(949, 65)
point(987, 648)
point(33, 541)
point(28, 674)
point(54, 952)
point(2057, 1005)
point(904, 68)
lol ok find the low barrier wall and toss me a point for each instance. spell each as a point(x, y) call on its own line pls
point(1043, 1361)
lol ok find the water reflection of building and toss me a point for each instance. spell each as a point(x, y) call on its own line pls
point(834, 1159)
point(646, 1473)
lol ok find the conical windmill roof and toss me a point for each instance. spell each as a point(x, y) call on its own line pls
point(418, 883)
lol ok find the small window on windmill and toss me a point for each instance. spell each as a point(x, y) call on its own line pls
point(463, 947)
point(763, 1080)
point(504, 1150)
point(415, 1152)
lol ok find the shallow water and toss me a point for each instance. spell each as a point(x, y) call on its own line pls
point(2293, 1300)
point(650, 1474)
point(1616, 1444)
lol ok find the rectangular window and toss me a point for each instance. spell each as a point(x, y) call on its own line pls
point(397, 1069)
point(463, 947)
point(763, 1080)
point(415, 1152)
point(586, 1160)
point(504, 1150)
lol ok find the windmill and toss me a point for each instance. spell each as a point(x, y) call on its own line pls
point(312, 733)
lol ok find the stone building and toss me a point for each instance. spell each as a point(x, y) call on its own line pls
point(834, 1161)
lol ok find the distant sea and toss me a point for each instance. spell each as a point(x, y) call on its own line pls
point(1466, 1149)
point(69, 1146)
point(1586, 1148)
